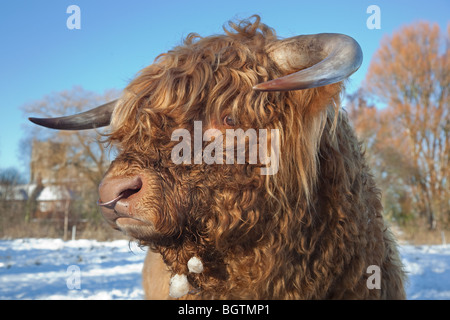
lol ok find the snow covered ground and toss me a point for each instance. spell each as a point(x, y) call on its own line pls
point(428, 268)
point(54, 269)
point(88, 269)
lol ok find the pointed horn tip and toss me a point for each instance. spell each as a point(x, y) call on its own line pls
point(259, 87)
point(279, 85)
point(273, 85)
point(262, 88)
point(38, 121)
point(35, 120)
point(45, 122)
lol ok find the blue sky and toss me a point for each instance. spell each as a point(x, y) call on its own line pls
point(40, 55)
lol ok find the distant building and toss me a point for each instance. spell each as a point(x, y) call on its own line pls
point(53, 202)
point(49, 171)
point(18, 192)
point(55, 182)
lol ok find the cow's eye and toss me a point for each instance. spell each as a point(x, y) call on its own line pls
point(229, 121)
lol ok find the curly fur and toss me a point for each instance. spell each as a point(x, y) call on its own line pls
point(308, 232)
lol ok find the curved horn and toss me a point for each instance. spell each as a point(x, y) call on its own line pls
point(332, 57)
point(94, 118)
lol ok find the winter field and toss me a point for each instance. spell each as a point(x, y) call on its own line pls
point(88, 269)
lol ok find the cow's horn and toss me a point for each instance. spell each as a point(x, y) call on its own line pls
point(327, 57)
point(91, 119)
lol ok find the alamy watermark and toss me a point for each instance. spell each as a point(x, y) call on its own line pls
point(374, 280)
point(74, 20)
point(213, 153)
point(374, 20)
point(73, 277)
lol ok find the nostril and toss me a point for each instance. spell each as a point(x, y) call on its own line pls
point(131, 190)
point(113, 190)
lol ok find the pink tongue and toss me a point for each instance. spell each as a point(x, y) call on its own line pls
point(111, 202)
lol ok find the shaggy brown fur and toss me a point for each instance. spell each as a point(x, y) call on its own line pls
point(308, 232)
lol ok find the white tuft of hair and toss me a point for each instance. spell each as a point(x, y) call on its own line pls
point(195, 265)
point(179, 286)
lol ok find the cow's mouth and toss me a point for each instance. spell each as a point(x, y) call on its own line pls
point(118, 211)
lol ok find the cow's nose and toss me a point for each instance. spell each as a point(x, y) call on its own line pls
point(116, 194)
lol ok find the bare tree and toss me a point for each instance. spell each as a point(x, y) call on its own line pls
point(84, 149)
point(9, 178)
point(410, 74)
point(78, 158)
point(386, 155)
point(12, 209)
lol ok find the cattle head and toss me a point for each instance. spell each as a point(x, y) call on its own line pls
point(247, 78)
